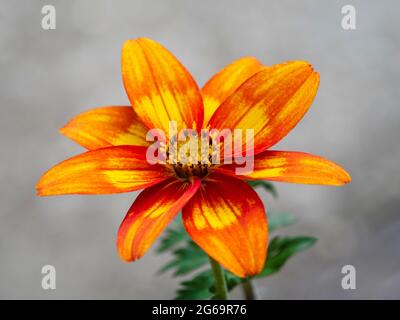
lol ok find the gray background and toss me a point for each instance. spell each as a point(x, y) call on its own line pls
point(49, 76)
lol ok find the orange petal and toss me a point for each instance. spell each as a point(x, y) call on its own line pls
point(226, 218)
point(159, 87)
point(225, 82)
point(151, 212)
point(105, 127)
point(108, 170)
point(296, 167)
point(271, 102)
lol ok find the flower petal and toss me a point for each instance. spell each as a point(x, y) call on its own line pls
point(151, 212)
point(271, 102)
point(159, 87)
point(295, 167)
point(105, 127)
point(226, 218)
point(225, 82)
point(108, 170)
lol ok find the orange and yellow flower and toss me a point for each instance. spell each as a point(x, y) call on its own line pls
point(220, 211)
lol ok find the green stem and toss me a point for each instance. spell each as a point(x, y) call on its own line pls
point(221, 291)
point(248, 290)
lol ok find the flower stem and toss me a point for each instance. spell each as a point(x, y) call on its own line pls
point(248, 290)
point(221, 291)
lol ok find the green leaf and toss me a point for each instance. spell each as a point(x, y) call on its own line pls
point(279, 220)
point(186, 259)
point(198, 287)
point(202, 285)
point(174, 235)
point(232, 280)
point(267, 186)
point(280, 249)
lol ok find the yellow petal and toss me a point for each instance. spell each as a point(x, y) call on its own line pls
point(226, 218)
point(295, 167)
point(105, 127)
point(271, 103)
point(225, 82)
point(151, 212)
point(159, 88)
point(102, 171)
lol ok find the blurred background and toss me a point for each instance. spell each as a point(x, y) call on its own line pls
point(48, 76)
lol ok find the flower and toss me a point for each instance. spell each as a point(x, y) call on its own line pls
point(220, 211)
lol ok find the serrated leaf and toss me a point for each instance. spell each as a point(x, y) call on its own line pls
point(280, 249)
point(198, 287)
point(267, 186)
point(279, 220)
point(186, 259)
point(202, 285)
point(173, 236)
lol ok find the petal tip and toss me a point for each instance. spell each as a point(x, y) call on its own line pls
point(342, 177)
point(244, 273)
point(124, 254)
point(128, 43)
point(70, 128)
point(346, 177)
point(316, 77)
point(40, 190)
point(64, 130)
point(302, 65)
point(124, 257)
point(139, 40)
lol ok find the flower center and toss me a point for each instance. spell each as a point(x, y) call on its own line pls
point(191, 157)
point(186, 171)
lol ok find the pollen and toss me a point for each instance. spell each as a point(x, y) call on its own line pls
point(190, 155)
